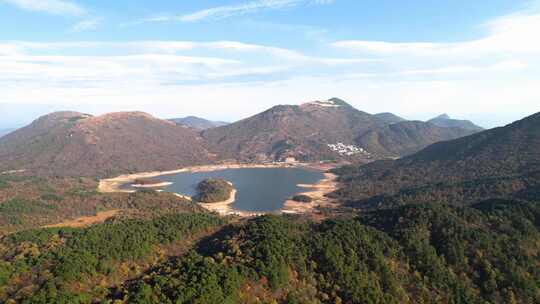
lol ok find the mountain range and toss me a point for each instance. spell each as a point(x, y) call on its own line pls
point(304, 132)
point(75, 144)
point(198, 123)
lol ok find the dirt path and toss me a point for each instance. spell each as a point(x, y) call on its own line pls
point(85, 221)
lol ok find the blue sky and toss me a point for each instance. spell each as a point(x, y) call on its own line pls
point(230, 59)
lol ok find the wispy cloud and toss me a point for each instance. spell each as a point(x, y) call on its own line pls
point(227, 11)
point(57, 7)
point(222, 12)
point(86, 25)
point(156, 63)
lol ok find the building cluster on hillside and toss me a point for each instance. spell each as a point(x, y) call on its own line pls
point(348, 150)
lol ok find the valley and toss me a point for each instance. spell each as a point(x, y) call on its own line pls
point(269, 152)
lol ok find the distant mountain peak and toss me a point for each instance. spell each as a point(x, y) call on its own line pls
point(339, 101)
point(329, 103)
point(443, 116)
point(322, 103)
point(62, 115)
point(445, 121)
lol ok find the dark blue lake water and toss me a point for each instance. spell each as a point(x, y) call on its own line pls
point(259, 189)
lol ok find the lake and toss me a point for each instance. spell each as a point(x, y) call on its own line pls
point(258, 189)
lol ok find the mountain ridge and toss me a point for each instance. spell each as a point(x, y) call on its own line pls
point(72, 143)
point(4, 132)
point(305, 131)
point(389, 118)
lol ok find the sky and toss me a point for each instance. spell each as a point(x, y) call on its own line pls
point(229, 59)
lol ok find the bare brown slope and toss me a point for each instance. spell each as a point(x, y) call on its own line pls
point(76, 144)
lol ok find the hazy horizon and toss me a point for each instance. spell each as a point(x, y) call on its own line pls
point(16, 119)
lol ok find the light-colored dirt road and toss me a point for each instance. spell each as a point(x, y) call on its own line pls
point(85, 221)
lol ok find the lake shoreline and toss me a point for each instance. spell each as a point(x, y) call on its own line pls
point(111, 185)
point(317, 191)
point(225, 207)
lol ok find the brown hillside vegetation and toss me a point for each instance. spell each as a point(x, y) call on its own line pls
point(76, 144)
point(305, 131)
point(290, 131)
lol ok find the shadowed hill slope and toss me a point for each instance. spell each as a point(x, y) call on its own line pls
point(404, 138)
point(498, 163)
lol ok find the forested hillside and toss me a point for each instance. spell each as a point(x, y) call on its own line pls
point(498, 163)
point(450, 237)
point(406, 137)
point(28, 202)
point(414, 254)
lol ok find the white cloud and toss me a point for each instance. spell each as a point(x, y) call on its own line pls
point(515, 33)
point(499, 73)
point(57, 7)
